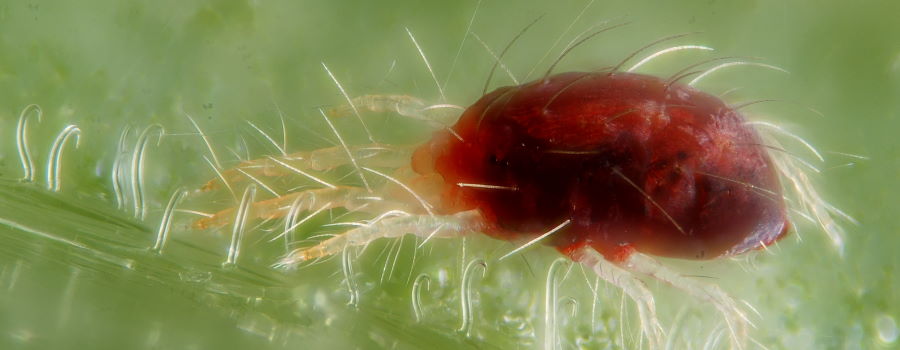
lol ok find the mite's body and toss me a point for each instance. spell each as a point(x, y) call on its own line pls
point(633, 161)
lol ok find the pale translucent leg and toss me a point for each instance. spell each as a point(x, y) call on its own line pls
point(346, 197)
point(810, 201)
point(372, 155)
point(404, 105)
point(735, 319)
point(425, 226)
point(631, 286)
point(439, 116)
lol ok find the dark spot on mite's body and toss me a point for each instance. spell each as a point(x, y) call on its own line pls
point(675, 175)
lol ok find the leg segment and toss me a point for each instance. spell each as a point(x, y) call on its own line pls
point(425, 226)
point(345, 197)
point(735, 319)
point(630, 285)
point(324, 159)
point(403, 105)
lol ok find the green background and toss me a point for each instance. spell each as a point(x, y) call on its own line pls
point(75, 271)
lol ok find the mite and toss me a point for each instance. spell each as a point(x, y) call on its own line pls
point(612, 168)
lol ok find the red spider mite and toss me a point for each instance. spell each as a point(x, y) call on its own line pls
point(634, 162)
point(607, 166)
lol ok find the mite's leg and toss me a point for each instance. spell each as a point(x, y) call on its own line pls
point(735, 319)
point(425, 226)
point(630, 285)
point(810, 201)
point(351, 198)
point(407, 106)
point(324, 159)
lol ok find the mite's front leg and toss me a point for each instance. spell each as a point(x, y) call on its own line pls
point(404, 105)
point(426, 226)
point(352, 198)
point(300, 163)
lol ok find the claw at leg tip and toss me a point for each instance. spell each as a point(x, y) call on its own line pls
point(202, 224)
point(296, 257)
point(209, 186)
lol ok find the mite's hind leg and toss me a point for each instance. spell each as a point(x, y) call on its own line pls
point(426, 226)
point(298, 163)
point(352, 198)
point(439, 115)
point(631, 286)
point(735, 319)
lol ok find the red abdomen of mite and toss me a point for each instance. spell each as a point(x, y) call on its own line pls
point(632, 161)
